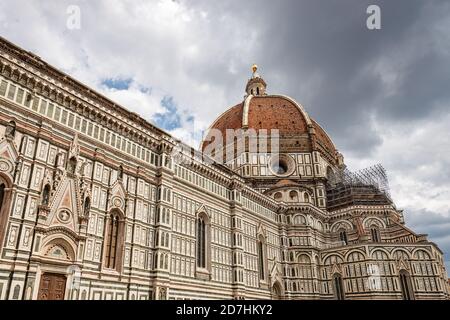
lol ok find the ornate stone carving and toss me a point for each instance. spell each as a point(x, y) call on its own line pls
point(10, 131)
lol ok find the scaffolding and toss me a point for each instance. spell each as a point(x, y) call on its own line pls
point(369, 186)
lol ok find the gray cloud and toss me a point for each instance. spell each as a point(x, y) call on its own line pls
point(322, 54)
point(433, 224)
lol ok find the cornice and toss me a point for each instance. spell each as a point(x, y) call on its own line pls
point(40, 78)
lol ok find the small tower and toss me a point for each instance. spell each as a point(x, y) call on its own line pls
point(256, 86)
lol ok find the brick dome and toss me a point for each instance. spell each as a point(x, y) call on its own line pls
point(273, 112)
point(264, 112)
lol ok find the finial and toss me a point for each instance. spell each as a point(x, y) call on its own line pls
point(254, 68)
point(256, 85)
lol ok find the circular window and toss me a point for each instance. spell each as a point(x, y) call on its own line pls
point(279, 167)
point(282, 165)
point(64, 216)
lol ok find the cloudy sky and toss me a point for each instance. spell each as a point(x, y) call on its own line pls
point(382, 95)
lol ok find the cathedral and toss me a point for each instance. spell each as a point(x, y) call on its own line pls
point(97, 203)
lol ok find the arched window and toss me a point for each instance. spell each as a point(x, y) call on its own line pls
point(113, 241)
point(306, 197)
point(202, 241)
point(2, 195)
point(375, 233)
point(16, 292)
point(167, 241)
point(166, 261)
point(343, 237)
point(406, 286)
point(278, 196)
point(317, 270)
point(5, 200)
point(261, 258)
point(293, 195)
point(338, 287)
point(87, 206)
point(46, 195)
point(277, 291)
point(59, 160)
point(257, 91)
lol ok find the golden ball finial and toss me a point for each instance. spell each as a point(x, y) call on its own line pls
point(254, 68)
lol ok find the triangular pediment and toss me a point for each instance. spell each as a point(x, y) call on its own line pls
point(118, 195)
point(336, 268)
point(65, 206)
point(8, 150)
point(261, 230)
point(274, 270)
point(203, 209)
point(275, 274)
point(402, 265)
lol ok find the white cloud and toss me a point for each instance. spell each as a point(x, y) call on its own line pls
point(146, 104)
point(174, 49)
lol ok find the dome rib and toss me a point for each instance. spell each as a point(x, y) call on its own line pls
point(245, 111)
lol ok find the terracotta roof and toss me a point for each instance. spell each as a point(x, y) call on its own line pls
point(230, 119)
point(323, 138)
point(266, 112)
point(272, 112)
point(285, 183)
